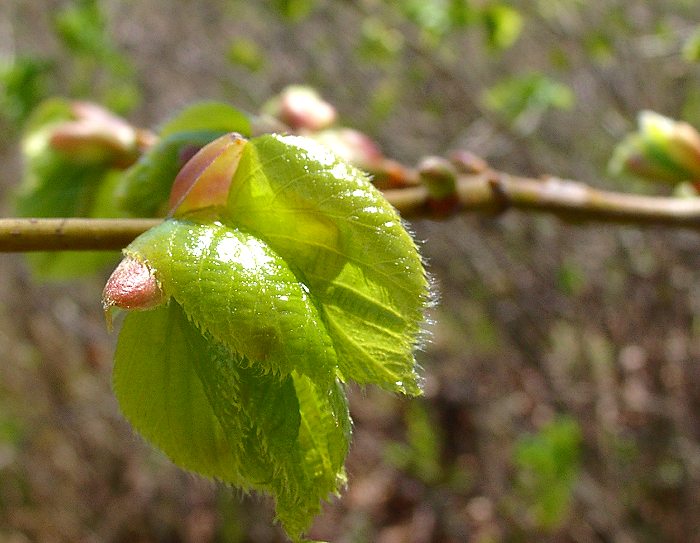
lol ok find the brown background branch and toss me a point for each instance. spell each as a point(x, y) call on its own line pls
point(491, 192)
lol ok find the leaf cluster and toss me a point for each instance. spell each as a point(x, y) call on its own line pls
point(301, 280)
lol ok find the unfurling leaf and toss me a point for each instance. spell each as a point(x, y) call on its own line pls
point(281, 275)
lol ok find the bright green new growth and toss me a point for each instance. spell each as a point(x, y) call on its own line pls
point(303, 279)
point(216, 413)
point(241, 293)
point(347, 244)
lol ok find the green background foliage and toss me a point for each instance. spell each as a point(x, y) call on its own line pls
point(537, 319)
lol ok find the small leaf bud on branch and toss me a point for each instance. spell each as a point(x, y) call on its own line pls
point(440, 178)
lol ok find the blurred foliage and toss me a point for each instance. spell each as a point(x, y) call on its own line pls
point(294, 10)
point(246, 53)
point(548, 464)
point(23, 84)
point(538, 321)
point(523, 100)
point(82, 28)
point(420, 454)
point(379, 43)
point(68, 183)
point(662, 149)
point(91, 62)
point(83, 161)
point(691, 47)
point(503, 25)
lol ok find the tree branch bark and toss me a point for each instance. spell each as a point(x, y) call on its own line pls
point(571, 201)
point(488, 192)
point(75, 234)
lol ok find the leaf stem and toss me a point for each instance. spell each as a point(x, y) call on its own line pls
point(488, 192)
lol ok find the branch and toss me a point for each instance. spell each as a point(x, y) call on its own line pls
point(571, 201)
point(70, 234)
point(487, 192)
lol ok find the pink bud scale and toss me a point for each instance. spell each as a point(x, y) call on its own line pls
point(132, 285)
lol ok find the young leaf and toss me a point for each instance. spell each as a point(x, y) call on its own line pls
point(156, 383)
point(241, 293)
point(221, 415)
point(346, 243)
point(207, 117)
point(146, 186)
point(281, 274)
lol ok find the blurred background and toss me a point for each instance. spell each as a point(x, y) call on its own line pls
point(562, 396)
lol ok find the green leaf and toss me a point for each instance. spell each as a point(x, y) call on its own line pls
point(98, 68)
point(346, 243)
point(299, 278)
point(237, 289)
point(82, 28)
point(462, 13)
point(218, 414)
point(548, 465)
point(691, 46)
point(207, 117)
point(294, 10)
point(431, 16)
point(523, 99)
point(159, 392)
point(420, 455)
point(246, 53)
point(379, 43)
point(23, 84)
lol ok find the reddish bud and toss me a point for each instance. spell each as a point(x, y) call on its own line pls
point(133, 286)
point(390, 174)
point(352, 146)
point(301, 108)
point(96, 135)
point(204, 181)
